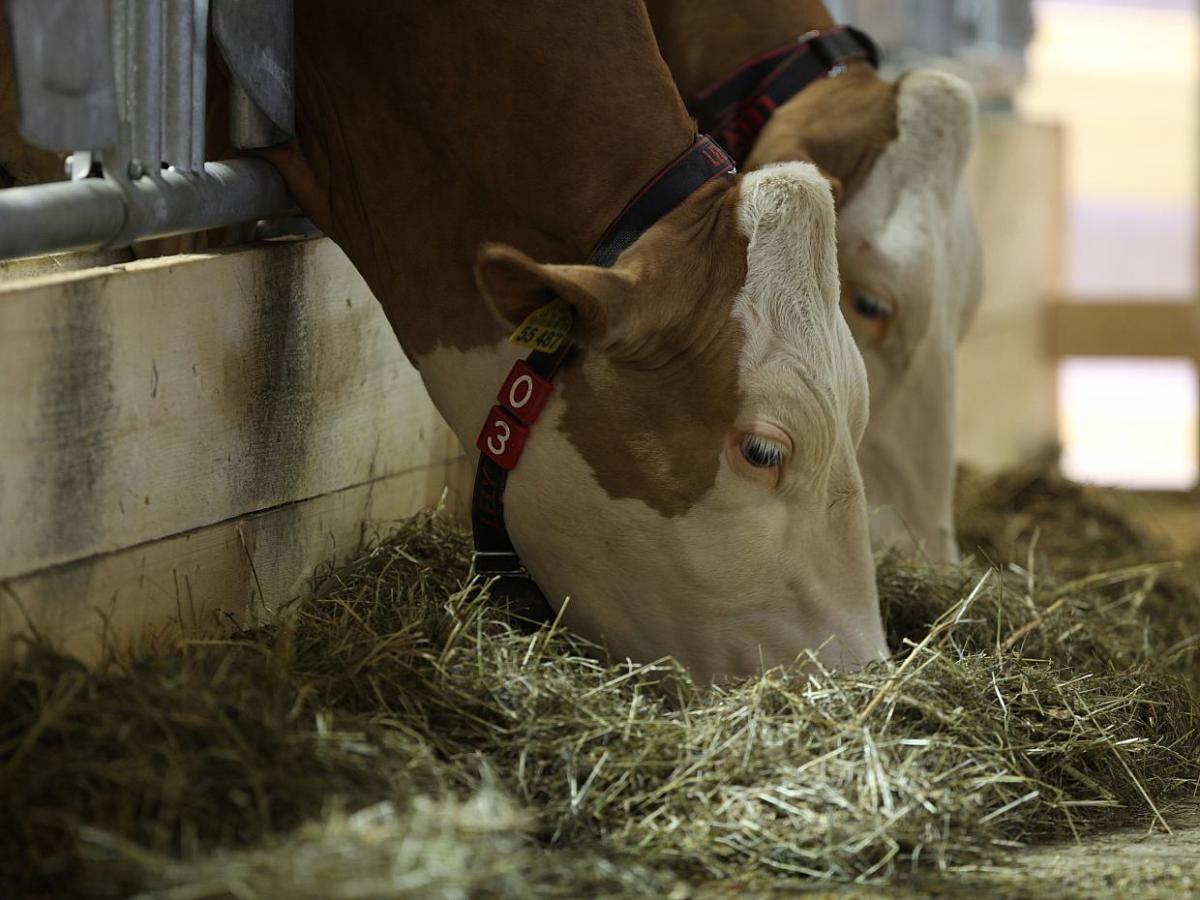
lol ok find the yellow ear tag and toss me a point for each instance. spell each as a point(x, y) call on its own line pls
point(545, 328)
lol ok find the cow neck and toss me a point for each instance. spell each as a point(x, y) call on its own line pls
point(529, 384)
point(535, 136)
point(735, 107)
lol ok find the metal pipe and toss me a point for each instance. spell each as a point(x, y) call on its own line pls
point(146, 55)
point(97, 212)
point(177, 88)
point(233, 191)
point(63, 215)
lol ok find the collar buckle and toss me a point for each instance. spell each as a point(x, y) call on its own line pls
point(822, 47)
point(498, 564)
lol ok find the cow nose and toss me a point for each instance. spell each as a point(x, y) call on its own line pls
point(854, 650)
point(937, 544)
point(940, 546)
point(949, 553)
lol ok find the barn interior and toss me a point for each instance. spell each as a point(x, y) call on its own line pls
point(243, 654)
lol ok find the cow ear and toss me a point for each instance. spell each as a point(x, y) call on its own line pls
point(515, 286)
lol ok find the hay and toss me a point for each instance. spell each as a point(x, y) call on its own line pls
point(395, 737)
point(1033, 517)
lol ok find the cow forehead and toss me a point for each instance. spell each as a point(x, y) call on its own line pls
point(918, 178)
point(787, 217)
point(797, 348)
point(936, 123)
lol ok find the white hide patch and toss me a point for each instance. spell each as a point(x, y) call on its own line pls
point(937, 121)
point(908, 235)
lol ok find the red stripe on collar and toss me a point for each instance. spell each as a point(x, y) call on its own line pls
point(737, 108)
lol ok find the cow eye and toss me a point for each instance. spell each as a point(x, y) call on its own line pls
point(871, 307)
point(761, 453)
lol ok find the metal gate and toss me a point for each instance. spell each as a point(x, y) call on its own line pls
point(121, 85)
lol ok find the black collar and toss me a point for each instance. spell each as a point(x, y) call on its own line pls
point(735, 110)
point(530, 383)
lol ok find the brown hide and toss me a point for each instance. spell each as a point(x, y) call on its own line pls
point(427, 130)
point(841, 124)
point(704, 41)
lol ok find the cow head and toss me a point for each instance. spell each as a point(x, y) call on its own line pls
point(692, 485)
point(910, 274)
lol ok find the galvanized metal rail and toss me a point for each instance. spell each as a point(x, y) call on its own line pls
point(92, 213)
point(122, 87)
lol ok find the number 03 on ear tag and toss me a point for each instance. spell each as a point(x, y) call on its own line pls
point(545, 328)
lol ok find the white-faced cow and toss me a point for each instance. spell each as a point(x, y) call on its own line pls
point(776, 80)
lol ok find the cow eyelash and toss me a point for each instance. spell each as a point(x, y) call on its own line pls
point(760, 452)
point(871, 307)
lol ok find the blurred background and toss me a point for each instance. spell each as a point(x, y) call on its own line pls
point(1086, 186)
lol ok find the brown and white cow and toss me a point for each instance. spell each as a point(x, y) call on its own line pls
point(907, 246)
point(692, 485)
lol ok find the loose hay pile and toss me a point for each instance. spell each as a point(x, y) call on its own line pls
point(395, 737)
point(1034, 516)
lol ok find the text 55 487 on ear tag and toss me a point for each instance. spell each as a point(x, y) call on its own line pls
point(545, 328)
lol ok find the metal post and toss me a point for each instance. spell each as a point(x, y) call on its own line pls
point(177, 88)
point(255, 40)
point(199, 81)
point(63, 66)
point(119, 30)
point(145, 49)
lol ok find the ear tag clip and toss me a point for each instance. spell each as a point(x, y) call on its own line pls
point(545, 328)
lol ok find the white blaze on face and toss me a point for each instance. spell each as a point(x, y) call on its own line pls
point(760, 569)
point(908, 246)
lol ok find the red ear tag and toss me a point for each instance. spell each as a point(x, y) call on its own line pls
point(524, 393)
point(502, 438)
